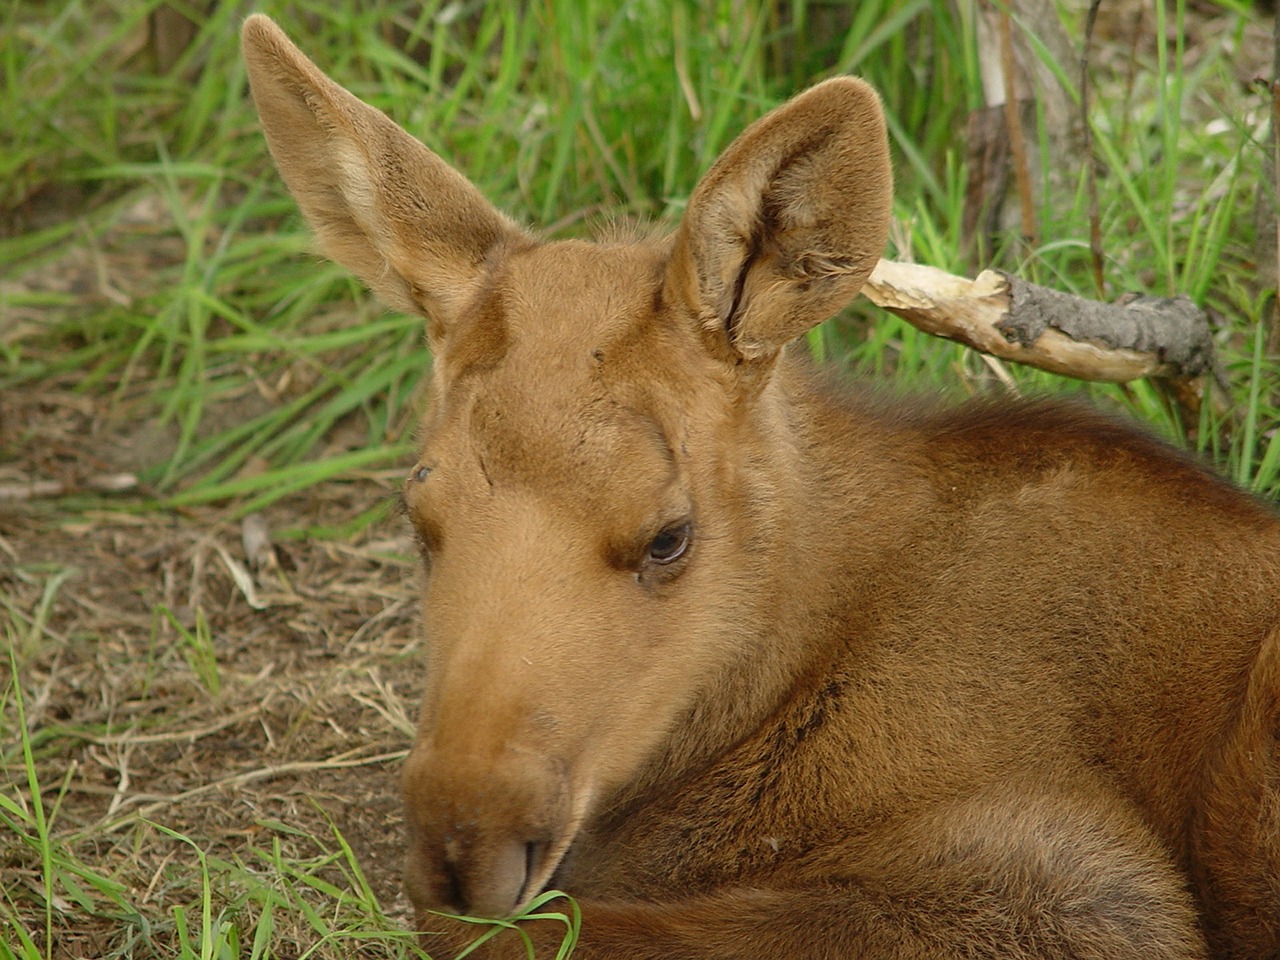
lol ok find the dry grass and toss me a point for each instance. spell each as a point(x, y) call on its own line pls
point(169, 685)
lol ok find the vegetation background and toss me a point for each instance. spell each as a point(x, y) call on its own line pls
point(207, 647)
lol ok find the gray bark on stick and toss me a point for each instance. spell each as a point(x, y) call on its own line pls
point(1009, 318)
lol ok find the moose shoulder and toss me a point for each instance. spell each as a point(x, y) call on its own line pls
point(753, 666)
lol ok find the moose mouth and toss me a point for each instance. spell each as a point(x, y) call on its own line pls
point(534, 854)
point(544, 866)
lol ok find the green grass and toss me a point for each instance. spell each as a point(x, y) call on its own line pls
point(197, 307)
point(562, 113)
point(288, 890)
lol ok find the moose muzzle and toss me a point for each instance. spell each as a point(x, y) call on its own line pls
point(484, 837)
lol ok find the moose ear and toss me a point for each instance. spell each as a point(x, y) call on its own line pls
point(788, 224)
point(381, 204)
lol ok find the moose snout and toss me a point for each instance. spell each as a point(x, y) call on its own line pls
point(483, 838)
point(487, 878)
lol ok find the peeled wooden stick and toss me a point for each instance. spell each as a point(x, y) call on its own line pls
point(997, 314)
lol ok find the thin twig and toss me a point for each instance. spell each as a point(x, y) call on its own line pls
point(1091, 173)
point(44, 489)
point(237, 780)
point(188, 735)
point(1275, 153)
point(1017, 136)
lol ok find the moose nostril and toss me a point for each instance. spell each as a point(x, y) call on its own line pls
point(453, 893)
point(490, 882)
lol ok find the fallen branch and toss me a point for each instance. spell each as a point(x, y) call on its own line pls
point(997, 314)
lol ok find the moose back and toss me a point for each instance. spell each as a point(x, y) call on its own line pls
point(756, 666)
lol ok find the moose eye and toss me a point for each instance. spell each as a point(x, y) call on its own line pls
point(670, 543)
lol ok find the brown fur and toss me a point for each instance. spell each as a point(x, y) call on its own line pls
point(1002, 680)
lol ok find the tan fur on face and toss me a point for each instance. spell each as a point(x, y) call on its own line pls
point(754, 665)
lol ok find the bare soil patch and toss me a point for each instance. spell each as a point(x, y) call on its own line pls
point(168, 680)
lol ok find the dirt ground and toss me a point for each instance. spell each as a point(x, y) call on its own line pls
point(117, 612)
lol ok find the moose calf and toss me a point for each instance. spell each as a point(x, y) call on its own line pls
point(755, 666)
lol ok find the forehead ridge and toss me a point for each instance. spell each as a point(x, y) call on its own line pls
point(559, 294)
point(552, 409)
